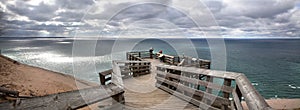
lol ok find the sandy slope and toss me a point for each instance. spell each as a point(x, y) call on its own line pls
point(33, 81)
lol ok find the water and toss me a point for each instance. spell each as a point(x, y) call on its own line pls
point(272, 65)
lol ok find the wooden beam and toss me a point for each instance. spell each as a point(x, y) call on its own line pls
point(237, 101)
point(183, 78)
point(9, 92)
point(66, 100)
point(218, 100)
point(200, 104)
point(253, 99)
point(213, 73)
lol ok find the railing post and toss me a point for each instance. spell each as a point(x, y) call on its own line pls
point(151, 54)
point(227, 82)
point(208, 90)
point(119, 98)
point(238, 92)
point(140, 54)
point(208, 67)
point(118, 102)
point(102, 79)
point(173, 61)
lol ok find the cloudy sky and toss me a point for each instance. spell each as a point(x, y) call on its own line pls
point(137, 18)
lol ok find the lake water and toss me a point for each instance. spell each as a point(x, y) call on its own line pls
point(272, 65)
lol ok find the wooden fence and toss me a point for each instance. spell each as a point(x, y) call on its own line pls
point(196, 86)
point(195, 62)
point(128, 69)
point(185, 61)
point(68, 100)
point(138, 55)
point(169, 59)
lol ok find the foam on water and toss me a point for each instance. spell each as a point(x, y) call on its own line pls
point(294, 87)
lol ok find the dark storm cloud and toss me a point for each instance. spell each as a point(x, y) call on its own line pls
point(260, 18)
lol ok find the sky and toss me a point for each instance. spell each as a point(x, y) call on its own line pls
point(144, 18)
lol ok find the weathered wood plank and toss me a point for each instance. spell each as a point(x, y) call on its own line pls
point(200, 104)
point(216, 99)
point(66, 100)
point(223, 88)
point(126, 61)
point(213, 73)
point(9, 92)
point(253, 99)
point(102, 76)
point(107, 72)
point(227, 83)
point(237, 101)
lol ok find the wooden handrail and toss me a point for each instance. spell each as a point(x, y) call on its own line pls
point(138, 55)
point(67, 100)
point(200, 71)
point(253, 99)
point(186, 81)
point(185, 61)
point(130, 68)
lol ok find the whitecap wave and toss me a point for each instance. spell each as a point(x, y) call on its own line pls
point(254, 84)
point(293, 86)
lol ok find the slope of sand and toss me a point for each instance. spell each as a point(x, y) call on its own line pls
point(34, 81)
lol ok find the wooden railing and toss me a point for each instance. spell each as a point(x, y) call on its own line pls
point(185, 61)
point(128, 69)
point(195, 62)
point(69, 100)
point(196, 86)
point(138, 55)
point(169, 59)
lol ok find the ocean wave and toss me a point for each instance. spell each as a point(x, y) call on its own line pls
point(294, 87)
point(254, 84)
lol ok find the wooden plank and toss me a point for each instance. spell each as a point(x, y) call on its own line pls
point(102, 76)
point(9, 92)
point(227, 82)
point(125, 61)
point(138, 66)
point(200, 104)
point(214, 73)
point(232, 106)
point(218, 100)
point(237, 101)
point(253, 99)
point(66, 100)
point(107, 72)
point(223, 88)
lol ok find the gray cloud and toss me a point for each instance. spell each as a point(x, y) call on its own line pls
point(236, 18)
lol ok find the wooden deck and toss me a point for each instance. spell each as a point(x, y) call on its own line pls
point(141, 93)
point(150, 84)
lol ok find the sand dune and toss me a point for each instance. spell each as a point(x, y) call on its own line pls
point(34, 81)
